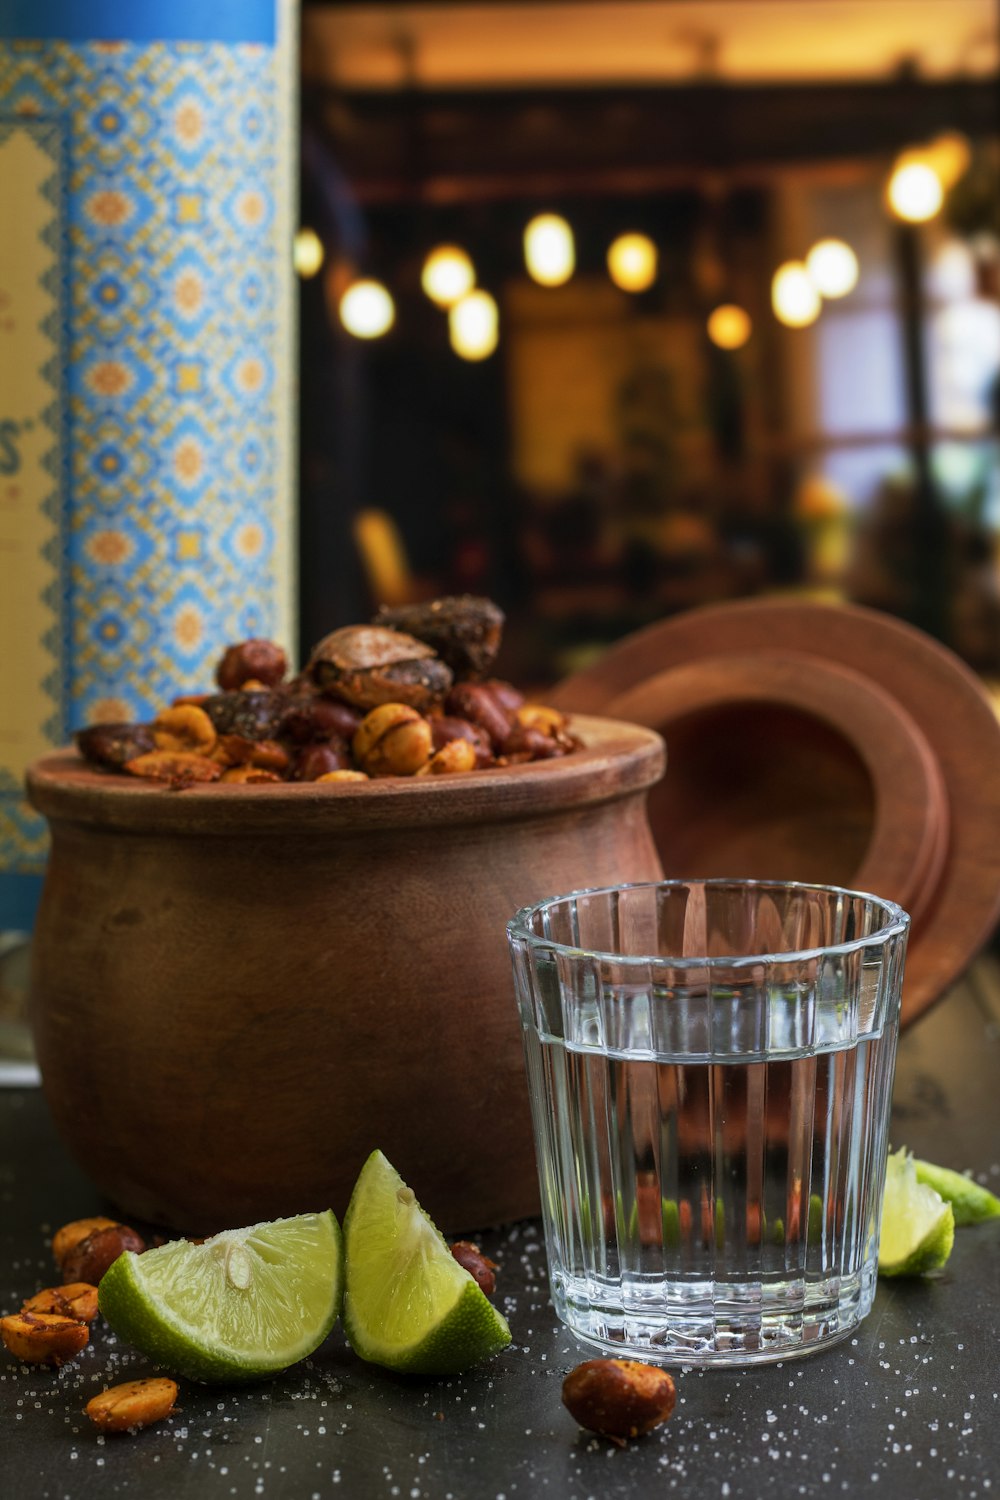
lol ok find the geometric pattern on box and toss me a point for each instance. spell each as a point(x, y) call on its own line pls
point(174, 504)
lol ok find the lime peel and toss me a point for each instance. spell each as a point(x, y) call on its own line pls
point(408, 1304)
point(241, 1305)
point(970, 1202)
point(918, 1226)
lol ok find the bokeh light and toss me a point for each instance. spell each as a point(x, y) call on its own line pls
point(367, 310)
point(307, 253)
point(549, 250)
point(729, 326)
point(447, 275)
point(915, 192)
point(472, 326)
point(632, 262)
point(833, 267)
point(795, 300)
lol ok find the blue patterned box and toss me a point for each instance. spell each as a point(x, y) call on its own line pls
point(146, 215)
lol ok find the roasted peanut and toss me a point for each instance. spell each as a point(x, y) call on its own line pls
point(478, 1265)
point(392, 740)
point(174, 766)
point(88, 1260)
point(507, 695)
point(136, 1403)
point(314, 761)
point(343, 776)
point(43, 1338)
point(474, 701)
point(237, 750)
point(114, 744)
point(77, 1299)
point(619, 1398)
point(255, 660)
point(187, 730)
point(538, 716)
point(456, 755)
point(70, 1235)
point(444, 728)
point(526, 742)
point(319, 718)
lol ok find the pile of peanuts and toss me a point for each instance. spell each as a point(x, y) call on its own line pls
point(373, 701)
point(53, 1326)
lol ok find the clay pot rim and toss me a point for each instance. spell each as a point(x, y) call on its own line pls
point(617, 758)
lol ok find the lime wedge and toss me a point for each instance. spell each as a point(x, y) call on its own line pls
point(970, 1203)
point(918, 1227)
point(243, 1304)
point(409, 1305)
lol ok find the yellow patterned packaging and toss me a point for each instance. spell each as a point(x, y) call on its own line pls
point(146, 208)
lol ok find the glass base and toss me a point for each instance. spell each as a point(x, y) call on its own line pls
point(708, 1323)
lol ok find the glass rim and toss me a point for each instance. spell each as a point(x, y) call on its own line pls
point(895, 922)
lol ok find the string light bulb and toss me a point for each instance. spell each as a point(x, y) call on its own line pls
point(549, 250)
point(448, 274)
point(307, 253)
point(367, 309)
point(729, 326)
point(632, 262)
point(915, 192)
point(833, 268)
point(473, 326)
point(795, 300)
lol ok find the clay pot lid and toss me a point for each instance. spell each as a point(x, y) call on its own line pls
point(825, 743)
point(615, 759)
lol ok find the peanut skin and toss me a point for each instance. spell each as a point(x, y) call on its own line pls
point(69, 1236)
point(136, 1403)
point(479, 1266)
point(89, 1260)
point(618, 1398)
point(43, 1338)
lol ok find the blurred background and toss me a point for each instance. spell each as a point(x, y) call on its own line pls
point(609, 310)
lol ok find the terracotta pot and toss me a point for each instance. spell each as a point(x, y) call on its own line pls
point(238, 992)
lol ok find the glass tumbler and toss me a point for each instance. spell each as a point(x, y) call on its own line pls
point(710, 1064)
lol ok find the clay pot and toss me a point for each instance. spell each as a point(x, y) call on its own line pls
point(240, 991)
point(823, 743)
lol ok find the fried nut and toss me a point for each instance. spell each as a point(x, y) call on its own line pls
point(43, 1338)
point(237, 750)
point(187, 730)
point(367, 665)
point(77, 1300)
point(528, 742)
point(255, 661)
point(456, 755)
point(507, 695)
point(392, 740)
point(314, 761)
point(618, 1398)
point(474, 701)
point(174, 766)
point(343, 776)
point(464, 629)
point(136, 1403)
point(70, 1235)
point(319, 719)
point(445, 728)
point(256, 716)
point(114, 744)
point(538, 716)
point(478, 1265)
point(89, 1259)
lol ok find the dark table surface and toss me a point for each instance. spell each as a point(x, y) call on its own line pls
point(909, 1406)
